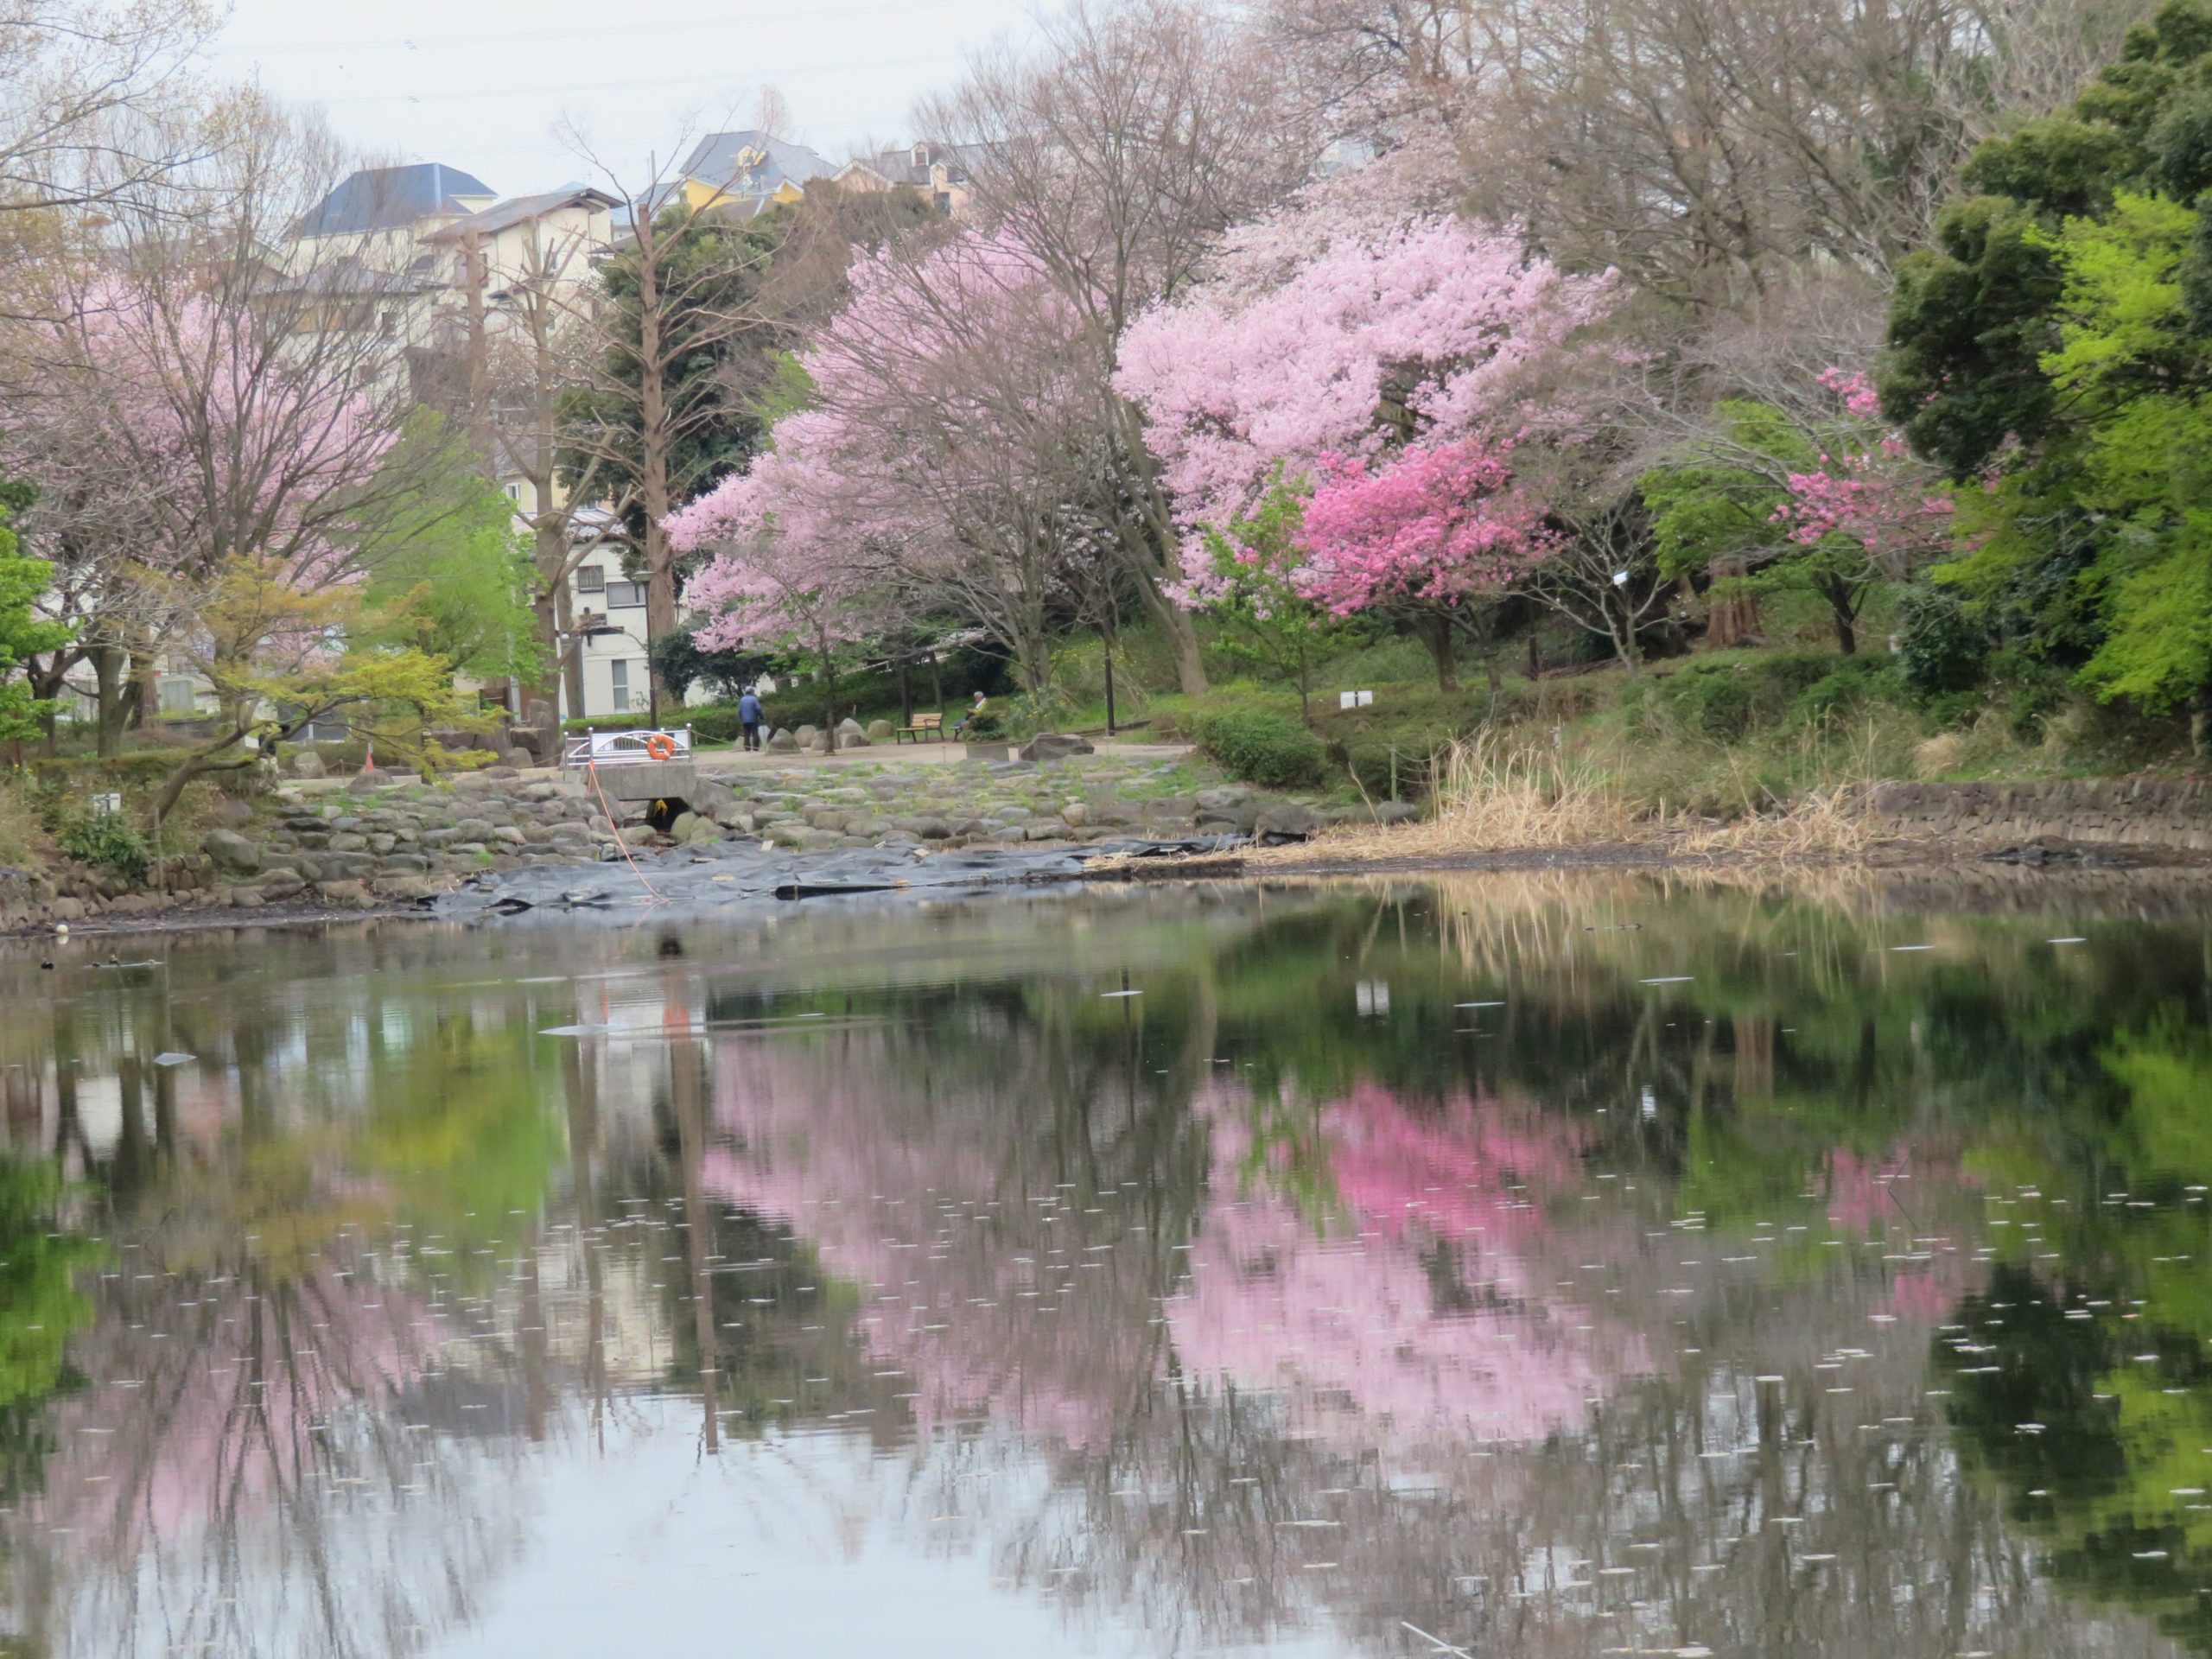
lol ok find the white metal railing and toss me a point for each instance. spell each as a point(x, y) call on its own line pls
point(625, 748)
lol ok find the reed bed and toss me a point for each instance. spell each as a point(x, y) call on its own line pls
point(1504, 791)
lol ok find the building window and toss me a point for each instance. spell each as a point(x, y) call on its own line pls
point(514, 492)
point(388, 324)
point(591, 579)
point(622, 596)
point(944, 203)
point(176, 695)
point(621, 687)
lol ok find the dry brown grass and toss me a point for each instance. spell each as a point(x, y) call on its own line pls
point(1825, 824)
point(22, 841)
point(1499, 792)
point(1502, 792)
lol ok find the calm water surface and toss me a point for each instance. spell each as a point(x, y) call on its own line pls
point(1527, 1266)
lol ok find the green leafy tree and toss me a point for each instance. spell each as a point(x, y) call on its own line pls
point(22, 631)
point(682, 662)
point(1255, 592)
point(454, 549)
point(2057, 344)
point(1753, 511)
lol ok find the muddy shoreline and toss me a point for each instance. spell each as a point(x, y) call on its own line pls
point(677, 884)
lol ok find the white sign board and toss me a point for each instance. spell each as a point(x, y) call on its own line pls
point(107, 805)
point(1355, 699)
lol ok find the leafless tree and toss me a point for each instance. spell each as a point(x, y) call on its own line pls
point(1706, 146)
point(678, 277)
point(95, 98)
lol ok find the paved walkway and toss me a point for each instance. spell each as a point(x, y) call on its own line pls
point(713, 760)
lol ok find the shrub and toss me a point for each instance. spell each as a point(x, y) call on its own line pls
point(1388, 746)
point(1260, 746)
point(1729, 698)
point(1853, 682)
point(19, 824)
point(1940, 648)
point(715, 723)
point(104, 839)
point(84, 774)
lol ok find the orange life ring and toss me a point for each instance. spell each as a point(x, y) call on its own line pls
point(661, 746)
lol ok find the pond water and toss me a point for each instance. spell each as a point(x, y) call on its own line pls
point(1529, 1265)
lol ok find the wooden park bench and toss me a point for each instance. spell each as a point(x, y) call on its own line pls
point(924, 724)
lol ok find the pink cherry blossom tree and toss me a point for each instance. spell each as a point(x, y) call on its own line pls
point(1321, 336)
point(1432, 534)
point(797, 552)
point(948, 461)
point(1868, 488)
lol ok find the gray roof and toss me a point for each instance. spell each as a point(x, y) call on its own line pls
point(390, 198)
point(714, 159)
point(899, 167)
point(519, 210)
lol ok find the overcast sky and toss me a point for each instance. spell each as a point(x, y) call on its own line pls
point(479, 83)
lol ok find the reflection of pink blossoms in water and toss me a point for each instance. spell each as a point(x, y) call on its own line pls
point(1897, 1193)
point(889, 1202)
point(1410, 1311)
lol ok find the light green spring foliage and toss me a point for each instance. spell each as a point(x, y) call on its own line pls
point(22, 631)
point(1266, 619)
point(2133, 368)
point(1709, 513)
point(453, 543)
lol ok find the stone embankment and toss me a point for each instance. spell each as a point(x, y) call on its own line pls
point(2166, 815)
point(383, 841)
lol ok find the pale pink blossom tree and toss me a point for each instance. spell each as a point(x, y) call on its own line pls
point(1428, 331)
point(797, 553)
point(949, 462)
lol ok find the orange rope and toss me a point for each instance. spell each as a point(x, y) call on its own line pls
point(615, 824)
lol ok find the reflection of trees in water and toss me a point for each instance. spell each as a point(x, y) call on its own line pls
point(270, 1400)
point(973, 1206)
point(1694, 1507)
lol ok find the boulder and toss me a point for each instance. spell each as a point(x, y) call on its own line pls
point(1225, 799)
point(306, 763)
point(782, 743)
point(881, 731)
point(518, 756)
point(402, 888)
point(1055, 746)
point(366, 779)
point(346, 896)
point(1075, 814)
point(247, 898)
point(808, 735)
point(681, 825)
point(233, 814)
point(1288, 819)
point(232, 852)
point(279, 885)
point(1396, 812)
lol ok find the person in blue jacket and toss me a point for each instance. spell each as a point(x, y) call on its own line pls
point(748, 716)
